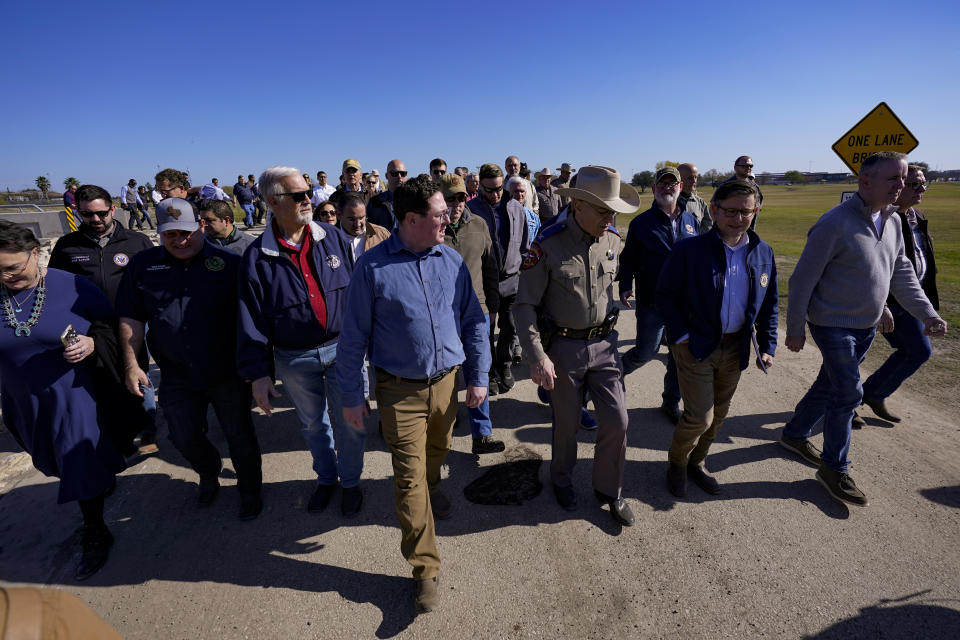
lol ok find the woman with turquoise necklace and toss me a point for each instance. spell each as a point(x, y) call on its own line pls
point(46, 387)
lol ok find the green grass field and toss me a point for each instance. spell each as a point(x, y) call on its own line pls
point(789, 212)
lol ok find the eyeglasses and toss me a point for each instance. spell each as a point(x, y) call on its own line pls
point(90, 214)
point(166, 190)
point(917, 186)
point(177, 235)
point(11, 272)
point(437, 216)
point(398, 174)
point(733, 213)
point(663, 184)
point(492, 189)
point(297, 196)
point(439, 172)
point(748, 166)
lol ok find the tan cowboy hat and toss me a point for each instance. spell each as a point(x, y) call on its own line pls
point(566, 166)
point(602, 186)
point(543, 172)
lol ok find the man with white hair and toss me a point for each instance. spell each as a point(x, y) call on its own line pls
point(517, 187)
point(293, 284)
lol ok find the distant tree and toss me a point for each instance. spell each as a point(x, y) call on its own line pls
point(793, 176)
point(43, 183)
point(667, 163)
point(148, 187)
point(71, 182)
point(642, 180)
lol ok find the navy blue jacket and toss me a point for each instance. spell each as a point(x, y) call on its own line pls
point(690, 294)
point(244, 194)
point(649, 242)
point(191, 310)
point(275, 308)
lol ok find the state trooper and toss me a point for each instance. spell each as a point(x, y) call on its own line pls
point(568, 276)
point(186, 290)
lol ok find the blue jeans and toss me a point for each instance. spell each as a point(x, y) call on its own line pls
point(480, 424)
point(911, 350)
point(835, 394)
point(310, 378)
point(248, 211)
point(649, 335)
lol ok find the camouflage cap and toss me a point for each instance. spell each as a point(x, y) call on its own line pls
point(666, 171)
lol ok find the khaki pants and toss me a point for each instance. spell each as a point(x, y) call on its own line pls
point(706, 387)
point(418, 427)
point(49, 614)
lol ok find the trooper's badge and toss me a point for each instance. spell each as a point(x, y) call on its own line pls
point(215, 263)
point(333, 261)
point(610, 254)
point(532, 257)
point(764, 280)
point(121, 259)
point(689, 228)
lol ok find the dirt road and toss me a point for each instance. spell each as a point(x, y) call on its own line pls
point(773, 556)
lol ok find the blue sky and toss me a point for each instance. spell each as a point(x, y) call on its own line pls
point(105, 91)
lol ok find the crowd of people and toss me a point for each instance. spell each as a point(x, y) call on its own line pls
point(408, 289)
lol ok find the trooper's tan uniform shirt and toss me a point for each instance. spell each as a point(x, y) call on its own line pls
point(568, 273)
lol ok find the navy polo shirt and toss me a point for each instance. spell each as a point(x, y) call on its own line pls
point(191, 310)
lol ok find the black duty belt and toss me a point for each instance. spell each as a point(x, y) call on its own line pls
point(440, 375)
point(592, 333)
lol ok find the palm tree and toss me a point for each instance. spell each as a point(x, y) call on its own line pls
point(43, 183)
point(71, 182)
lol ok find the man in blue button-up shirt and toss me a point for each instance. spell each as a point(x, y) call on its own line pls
point(411, 304)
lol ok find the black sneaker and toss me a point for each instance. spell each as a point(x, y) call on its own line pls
point(506, 380)
point(802, 448)
point(440, 504)
point(96, 543)
point(321, 497)
point(494, 387)
point(250, 506)
point(209, 488)
point(841, 487)
point(351, 500)
point(486, 444)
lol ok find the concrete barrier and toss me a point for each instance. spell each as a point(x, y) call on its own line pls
point(53, 224)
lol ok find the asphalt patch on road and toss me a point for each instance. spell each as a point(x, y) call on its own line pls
point(509, 483)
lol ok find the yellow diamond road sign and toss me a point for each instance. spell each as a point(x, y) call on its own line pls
point(879, 130)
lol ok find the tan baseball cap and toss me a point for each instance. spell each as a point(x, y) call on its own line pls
point(451, 184)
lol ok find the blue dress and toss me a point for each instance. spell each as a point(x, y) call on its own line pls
point(47, 402)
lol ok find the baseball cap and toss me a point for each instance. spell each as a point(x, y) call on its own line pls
point(350, 162)
point(451, 184)
point(177, 214)
point(666, 171)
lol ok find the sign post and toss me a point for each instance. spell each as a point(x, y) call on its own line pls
point(879, 130)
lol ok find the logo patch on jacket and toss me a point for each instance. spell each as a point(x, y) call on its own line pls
point(689, 228)
point(764, 280)
point(215, 263)
point(121, 259)
point(333, 261)
point(532, 257)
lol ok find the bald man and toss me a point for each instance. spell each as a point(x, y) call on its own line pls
point(380, 207)
point(689, 200)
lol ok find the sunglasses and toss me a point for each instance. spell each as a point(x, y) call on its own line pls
point(492, 189)
point(351, 169)
point(439, 172)
point(398, 174)
point(90, 214)
point(297, 196)
point(457, 198)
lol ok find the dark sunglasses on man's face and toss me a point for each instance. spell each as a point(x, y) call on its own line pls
point(492, 189)
point(297, 196)
point(90, 214)
point(439, 172)
point(351, 169)
point(398, 174)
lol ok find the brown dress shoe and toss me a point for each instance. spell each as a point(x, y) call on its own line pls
point(879, 407)
point(698, 473)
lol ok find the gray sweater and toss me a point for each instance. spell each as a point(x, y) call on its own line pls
point(846, 271)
